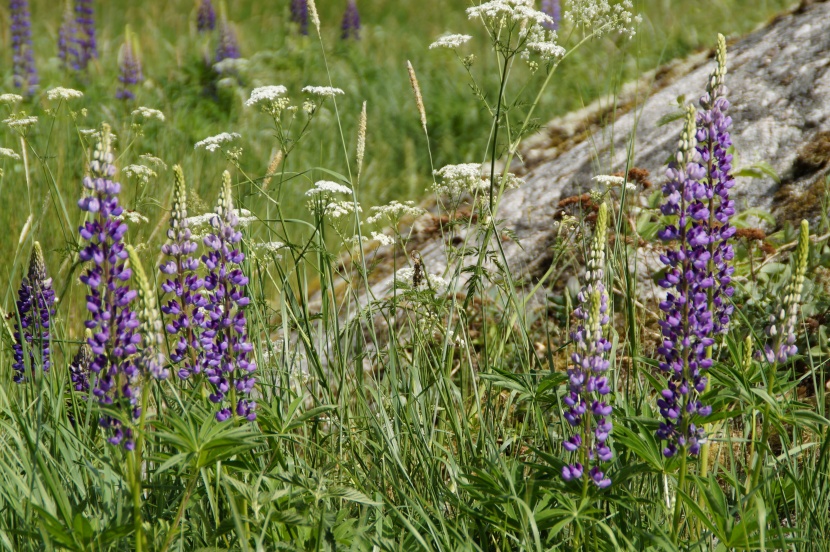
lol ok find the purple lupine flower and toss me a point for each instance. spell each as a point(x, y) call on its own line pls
point(688, 325)
point(205, 17)
point(554, 10)
point(228, 45)
point(35, 307)
point(129, 68)
point(782, 323)
point(299, 14)
point(185, 311)
point(86, 44)
point(23, 58)
point(224, 336)
point(113, 322)
point(713, 142)
point(350, 26)
point(588, 411)
point(67, 48)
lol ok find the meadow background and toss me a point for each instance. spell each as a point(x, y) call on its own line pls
point(437, 424)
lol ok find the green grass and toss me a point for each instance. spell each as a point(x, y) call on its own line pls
point(415, 419)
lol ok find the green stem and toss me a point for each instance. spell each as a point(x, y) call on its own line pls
point(681, 482)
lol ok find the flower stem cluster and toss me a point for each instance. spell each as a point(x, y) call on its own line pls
point(588, 412)
point(113, 321)
point(224, 335)
point(184, 310)
point(35, 308)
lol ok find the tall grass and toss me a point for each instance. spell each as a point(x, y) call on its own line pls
point(425, 415)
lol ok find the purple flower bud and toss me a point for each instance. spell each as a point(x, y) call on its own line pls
point(228, 45)
point(35, 309)
point(129, 67)
point(299, 14)
point(85, 44)
point(23, 58)
point(205, 17)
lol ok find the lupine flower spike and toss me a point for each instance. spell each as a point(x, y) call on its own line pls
point(350, 27)
point(687, 327)
point(80, 365)
point(23, 58)
point(185, 310)
point(35, 307)
point(553, 9)
point(86, 44)
point(129, 67)
point(783, 323)
point(713, 142)
point(228, 45)
point(113, 322)
point(205, 17)
point(588, 411)
point(150, 360)
point(299, 14)
point(67, 49)
point(224, 336)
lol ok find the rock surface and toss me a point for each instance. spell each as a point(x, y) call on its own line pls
point(779, 82)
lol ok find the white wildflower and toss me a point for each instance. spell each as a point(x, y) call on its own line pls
point(270, 247)
point(212, 143)
point(323, 91)
point(340, 209)
point(383, 239)
point(327, 186)
point(10, 98)
point(153, 160)
point(20, 122)
point(434, 282)
point(609, 180)
point(200, 221)
point(599, 17)
point(231, 65)
point(61, 93)
point(395, 211)
point(450, 41)
point(9, 153)
point(265, 94)
point(142, 173)
point(95, 134)
point(547, 50)
point(133, 217)
point(148, 113)
point(458, 179)
point(497, 12)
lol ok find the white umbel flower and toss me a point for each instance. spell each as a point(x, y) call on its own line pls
point(328, 187)
point(8, 153)
point(434, 282)
point(141, 172)
point(148, 113)
point(61, 93)
point(212, 143)
point(458, 179)
point(265, 94)
point(10, 98)
point(20, 122)
point(395, 211)
point(383, 239)
point(450, 41)
point(323, 91)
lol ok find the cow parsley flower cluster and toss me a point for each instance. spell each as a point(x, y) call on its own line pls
point(65, 94)
point(394, 212)
point(451, 41)
point(213, 143)
point(456, 180)
point(601, 17)
point(148, 113)
point(265, 95)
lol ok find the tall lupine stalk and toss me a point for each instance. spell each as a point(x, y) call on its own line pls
point(687, 327)
point(782, 323)
point(350, 27)
point(67, 49)
point(554, 9)
point(114, 340)
point(299, 14)
point(228, 45)
point(224, 336)
point(129, 66)
point(205, 17)
point(587, 411)
point(185, 310)
point(35, 308)
point(86, 43)
point(713, 143)
point(23, 58)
